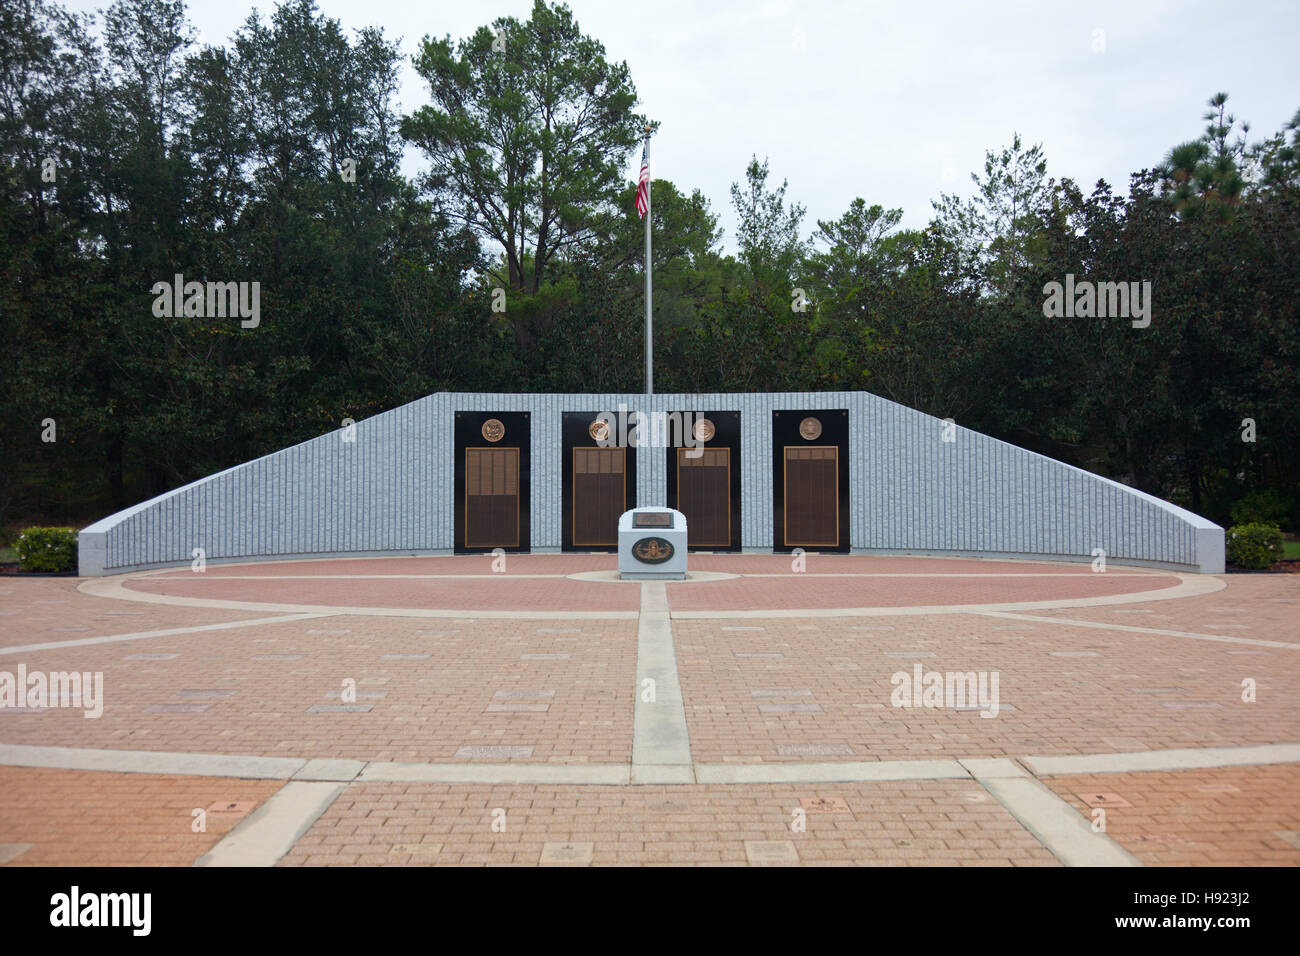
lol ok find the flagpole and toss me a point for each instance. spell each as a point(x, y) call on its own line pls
point(649, 287)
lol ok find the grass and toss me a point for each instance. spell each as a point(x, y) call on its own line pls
point(8, 555)
point(1291, 550)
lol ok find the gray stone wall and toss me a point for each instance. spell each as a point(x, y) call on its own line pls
point(390, 491)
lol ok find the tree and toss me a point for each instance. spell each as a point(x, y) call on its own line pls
point(995, 229)
point(528, 133)
point(768, 229)
point(1203, 177)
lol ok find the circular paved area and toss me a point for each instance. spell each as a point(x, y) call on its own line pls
point(581, 585)
point(694, 717)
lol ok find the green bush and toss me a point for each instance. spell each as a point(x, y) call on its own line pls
point(1262, 507)
point(1254, 546)
point(48, 550)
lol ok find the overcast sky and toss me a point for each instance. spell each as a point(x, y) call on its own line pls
point(892, 101)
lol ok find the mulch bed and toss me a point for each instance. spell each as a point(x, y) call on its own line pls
point(12, 567)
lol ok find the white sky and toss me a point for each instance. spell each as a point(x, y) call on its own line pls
point(892, 101)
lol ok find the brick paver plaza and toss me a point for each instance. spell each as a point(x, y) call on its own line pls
point(426, 710)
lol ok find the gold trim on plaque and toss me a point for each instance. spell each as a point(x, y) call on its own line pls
point(493, 430)
point(785, 496)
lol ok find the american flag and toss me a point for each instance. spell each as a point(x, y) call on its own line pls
point(643, 186)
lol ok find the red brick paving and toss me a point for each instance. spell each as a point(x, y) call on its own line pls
point(52, 609)
point(1108, 703)
point(948, 583)
point(430, 706)
point(571, 563)
point(802, 591)
point(910, 823)
point(1258, 606)
point(80, 818)
point(433, 706)
point(501, 593)
point(1227, 816)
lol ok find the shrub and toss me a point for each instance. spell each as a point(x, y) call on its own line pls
point(1262, 507)
point(1254, 546)
point(48, 550)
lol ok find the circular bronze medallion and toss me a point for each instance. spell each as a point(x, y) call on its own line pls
point(703, 430)
point(810, 428)
point(652, 550)
point(493, 430)
point(598, 430)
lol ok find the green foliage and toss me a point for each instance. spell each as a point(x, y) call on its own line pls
point(997, 229)
point(1263, 507)
point(527, 135)
point(47, 550)
point(1254, 546)
point(227, 162)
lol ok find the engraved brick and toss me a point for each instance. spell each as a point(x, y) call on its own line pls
point(789, 708)
point(339, 708)
point(771, 852)
point(177, 709)
point(516, 708)
point(824, 805)
point(814, 750)
point(236, 808)
point(572, 854)
point(499, 752)
point(1103, 799)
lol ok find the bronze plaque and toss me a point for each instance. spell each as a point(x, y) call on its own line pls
point(491, 497)
point(810, 428)
point(493, 430)
point(652, 519)
point(703, 430)
point(599, 430)
point(652, 550)
point(812, 495)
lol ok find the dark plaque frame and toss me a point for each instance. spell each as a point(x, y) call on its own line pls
point(469, 434)
point(574, 434)
point(785, 431)
point(727, 435)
